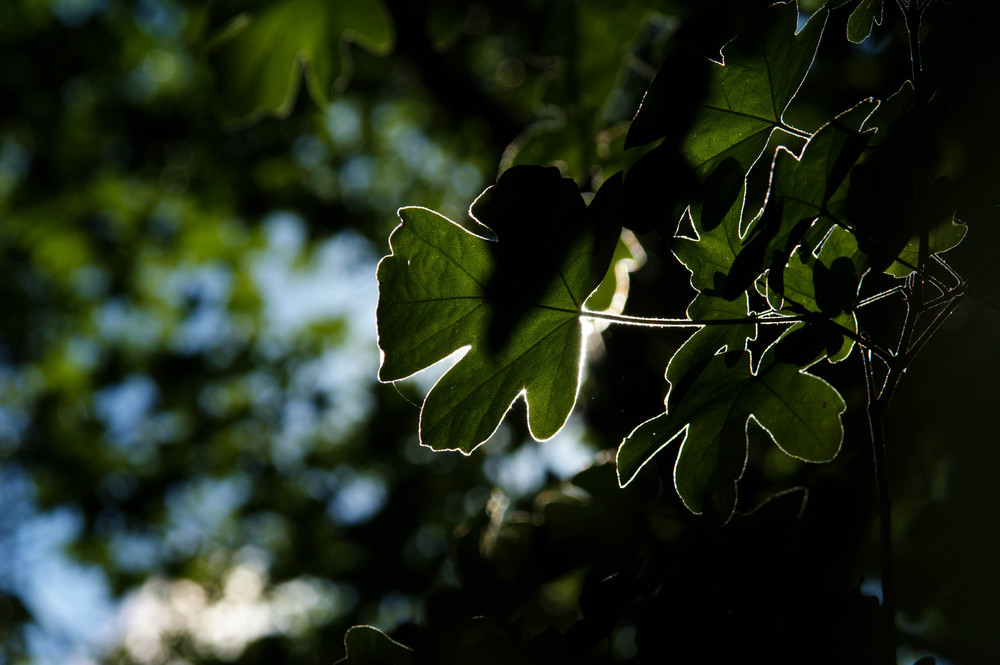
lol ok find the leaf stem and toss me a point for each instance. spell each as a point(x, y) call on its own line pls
point(947, 296)
point(762, 319)
point(865, 343)
point(878, 296)
point(654, 322)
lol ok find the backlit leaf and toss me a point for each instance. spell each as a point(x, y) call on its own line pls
point(901, 186)
point(435, 298)
point(940, 240)
point(739, 103)
point(705, 343)
point(747, 96)
point(801, 189)
point(610, 295)
point(710, 257)
point(801, 412)
point(826, 285)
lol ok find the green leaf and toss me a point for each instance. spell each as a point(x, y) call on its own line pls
point(710, 257)
point(709, 340)
point(826, 285)
point(738, 104)
point(806, 343)
point(259, 58)
point(366, 645)
point(747, 96)
point(859, 25)
point(687, 362)
point(801, 188)
point(801, 413)
point(436, 296)
point(941, 239)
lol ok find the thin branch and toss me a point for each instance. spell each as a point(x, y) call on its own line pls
point(907, 331)
point(932, 328)
point(875, 298)
point(762, 319)
point(944, 264)
point(906, 264)
point(865, 343)
point(876, 412)
point(653, 322)
point(958, 291)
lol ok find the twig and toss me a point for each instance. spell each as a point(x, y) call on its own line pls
point(932, 328)
point(879, 296)
point(653, 322)
point(876, 412)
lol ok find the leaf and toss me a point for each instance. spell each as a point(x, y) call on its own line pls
point(859, 25)
point(709, 340)
point(801, 189)
point(259, 57)
point(738, 105)
point(579, 136)
point(435, 298)
point(940, 240)
point(537, 213)
point(901, 186)
point(688, 361)
point(747, 95)
point(710, 257)
point(366, 645)
point(826, 285)
point(801, 413)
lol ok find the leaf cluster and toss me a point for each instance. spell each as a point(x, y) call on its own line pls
point(786, 274)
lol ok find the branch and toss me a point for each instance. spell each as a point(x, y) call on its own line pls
point(928, 332)
point(876, 413)
point(906, 264)
point(653, 322)
point(865, 343)
point(879, 296)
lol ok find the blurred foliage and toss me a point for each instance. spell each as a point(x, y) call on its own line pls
point(189, 413)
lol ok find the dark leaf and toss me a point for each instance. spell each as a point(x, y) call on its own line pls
point(859, 25)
